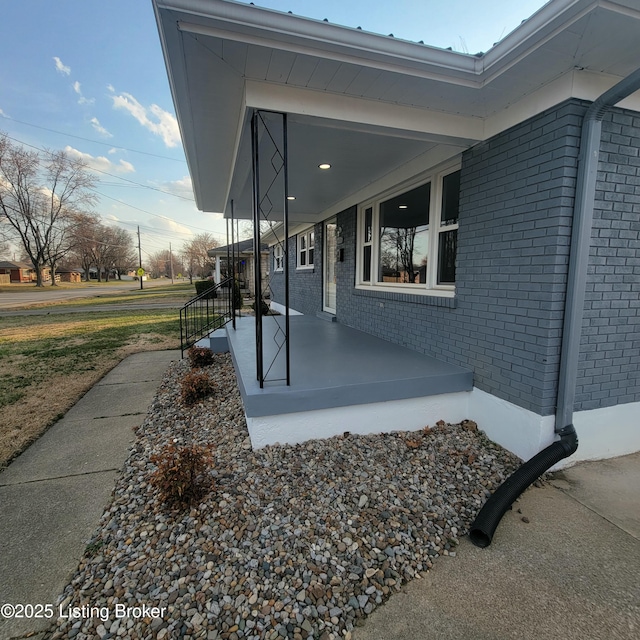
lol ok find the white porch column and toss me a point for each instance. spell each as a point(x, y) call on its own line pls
point(217, 276)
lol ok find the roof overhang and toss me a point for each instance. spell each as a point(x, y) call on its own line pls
point(374, 106)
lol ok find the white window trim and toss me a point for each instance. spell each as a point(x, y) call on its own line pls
point(278, 254)
point(431, 287)
point(299, 251)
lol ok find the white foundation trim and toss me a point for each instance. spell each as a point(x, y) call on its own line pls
point(603, 433)
point(378, 417)
point(281, 309)
point(607, 433)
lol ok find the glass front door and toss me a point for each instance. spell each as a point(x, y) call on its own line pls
point(329, 261)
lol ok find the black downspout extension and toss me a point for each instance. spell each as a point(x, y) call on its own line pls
point(486, 522)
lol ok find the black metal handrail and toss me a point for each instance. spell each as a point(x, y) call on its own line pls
point(205, 313)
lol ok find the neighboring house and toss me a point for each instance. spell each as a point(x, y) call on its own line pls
point(444, 222)
point(22, 272)
point(242, 255)
point(17, 272)
point(69, 275)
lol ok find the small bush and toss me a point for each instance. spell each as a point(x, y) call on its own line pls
point(200, 357)
point(182, 477)
point(237, 295)
point(205, 285)
point(195, 387)
point(264, 308)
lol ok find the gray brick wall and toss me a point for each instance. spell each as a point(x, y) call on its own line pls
point(610, 352)
point(505, 323)
point(305, 285)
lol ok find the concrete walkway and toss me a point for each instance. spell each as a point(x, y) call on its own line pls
point(571, 572)
point(52, 496)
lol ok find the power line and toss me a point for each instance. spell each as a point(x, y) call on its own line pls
point(157, 215)
point(106, 144)
point(106, 173)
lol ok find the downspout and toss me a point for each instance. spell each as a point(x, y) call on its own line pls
point(486, 522)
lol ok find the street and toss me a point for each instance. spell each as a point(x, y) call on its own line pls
point(22, 298)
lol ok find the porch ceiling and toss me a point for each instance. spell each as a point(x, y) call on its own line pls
point(366, 103)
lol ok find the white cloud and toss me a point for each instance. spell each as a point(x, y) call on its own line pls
point(110, 88)
point(3, 114)
point(113, 150)
point(82, 99)
point(154, 118)
point(99, 162)
point(169, 226)
point(62, 68)
point(182, 187)
point(95, 123)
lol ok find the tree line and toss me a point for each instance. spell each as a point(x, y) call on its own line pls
point(46, 203)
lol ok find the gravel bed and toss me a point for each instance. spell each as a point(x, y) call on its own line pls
point(295, 541)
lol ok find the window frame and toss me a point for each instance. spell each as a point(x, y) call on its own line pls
point(306, 238)
point(436, 228)
point(278, 257)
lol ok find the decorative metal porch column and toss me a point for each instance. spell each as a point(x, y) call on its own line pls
point(270, 205)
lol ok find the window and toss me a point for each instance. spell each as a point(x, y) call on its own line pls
point(278, 257)
point(408, 239)
point(305, 250)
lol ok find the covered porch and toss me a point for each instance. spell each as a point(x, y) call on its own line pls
point(341, 379)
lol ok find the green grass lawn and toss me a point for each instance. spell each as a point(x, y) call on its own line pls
point(48, 361)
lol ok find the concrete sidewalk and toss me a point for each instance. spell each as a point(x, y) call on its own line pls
point(52, 496)
point(571, 571)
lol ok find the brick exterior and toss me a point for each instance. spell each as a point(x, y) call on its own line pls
point(505, 323)
point(610, 352)
point(305, 285)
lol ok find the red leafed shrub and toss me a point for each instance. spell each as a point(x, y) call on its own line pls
point(182, 477)
point(195, 386)
point(200, 357)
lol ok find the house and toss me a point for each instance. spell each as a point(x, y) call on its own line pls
point(241, 254)
point(69, 275)
point(16, 272)
point(471, 210)
point(22, 272)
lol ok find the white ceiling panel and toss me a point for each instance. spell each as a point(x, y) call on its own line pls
point(280, 66)
point(302, 70)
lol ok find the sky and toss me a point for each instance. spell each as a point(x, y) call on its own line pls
point(88, 76)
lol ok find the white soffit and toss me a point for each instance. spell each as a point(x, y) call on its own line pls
point(224, 56)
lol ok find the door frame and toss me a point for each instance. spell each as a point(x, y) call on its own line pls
point(326, 261)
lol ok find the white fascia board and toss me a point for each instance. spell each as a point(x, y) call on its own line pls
point(171, 40)
point(531, 105)
point(308, 102)
point(584, 85)
point(298, 34)
point(532, 33)
point(590, 86)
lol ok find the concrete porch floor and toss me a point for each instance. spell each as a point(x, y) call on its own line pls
point(333, 365)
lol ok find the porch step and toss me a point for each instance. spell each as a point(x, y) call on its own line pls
point(327, 317)
point(216, 341)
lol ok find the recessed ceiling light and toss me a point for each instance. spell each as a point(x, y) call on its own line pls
point(324, 165)
point(291, 197)
point(403, 206)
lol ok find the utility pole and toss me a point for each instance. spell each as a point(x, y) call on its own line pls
point(171, 262)
point(140, 273)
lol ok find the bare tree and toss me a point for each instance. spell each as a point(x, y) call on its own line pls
point(197, 261)
point(165, 263)
point(124, 254)
point(86, 236)
point(39, 199)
